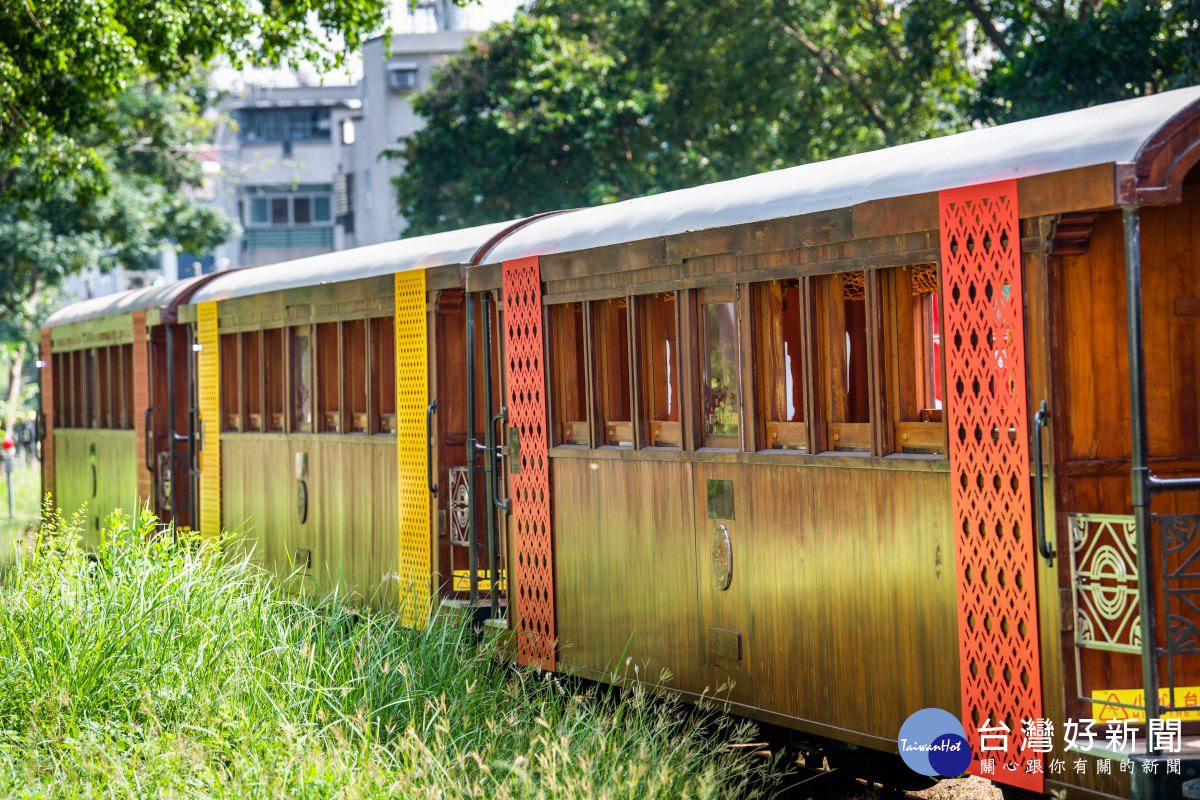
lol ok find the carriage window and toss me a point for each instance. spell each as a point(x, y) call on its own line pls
point(59, 390)
point(915, 392)
point(231, 375)
point(252, 380)
point(273, 379)
point(127, 420)
point(328, 378)
point(719, 391)
point(383, 373)
point(660, 369)
point(568, 366)
point(848, 403)
point(92, 416)
point(302, 379)
point(780, 357)
point(354, 374)
point(612, 371)
point(102, 416)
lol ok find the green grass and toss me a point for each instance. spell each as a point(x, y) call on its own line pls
point(27, 487)
point(153, 670)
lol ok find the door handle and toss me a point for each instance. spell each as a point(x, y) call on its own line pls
point(429, 412)
point(496, 474)
point(1040, 420)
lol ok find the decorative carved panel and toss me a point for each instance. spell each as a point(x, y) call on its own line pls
point(988, 419)
point(1104, 578)
point(530, 478)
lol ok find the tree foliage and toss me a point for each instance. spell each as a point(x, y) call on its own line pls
point(579, 102)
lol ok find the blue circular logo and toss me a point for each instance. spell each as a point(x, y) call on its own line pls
point(932, 742)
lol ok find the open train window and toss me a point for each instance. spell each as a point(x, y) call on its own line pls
point(273, 379)
point(91, 415)
point(612, 371)
point(658, 338)
point(103, 413)
point(252, 389)
point(354, 374)
point(60, 390)
point(844, 330)
point(780, 358)
point(328, 344)
point(914, 339)
point(127, 404)
point(383, 373)
point(720, 384)
point(231, 375)
point(568, 368)
point(302, 378)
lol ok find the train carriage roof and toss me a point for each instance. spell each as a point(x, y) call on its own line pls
point(419, 252)
point(111, 305)
point(1111, 133)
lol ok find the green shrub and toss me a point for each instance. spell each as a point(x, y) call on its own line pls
point(153, 667)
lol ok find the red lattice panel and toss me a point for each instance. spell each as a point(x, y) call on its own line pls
point(989, 464)
point(530, 487)
point(47, 416)
point(141, 402)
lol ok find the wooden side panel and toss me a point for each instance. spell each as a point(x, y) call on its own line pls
point(833, 570)
point(988, 427)
point(208, 380)
point(141, 405)
point(412, 397)
point(96, 475)
point(48, 420)
point(530, 481)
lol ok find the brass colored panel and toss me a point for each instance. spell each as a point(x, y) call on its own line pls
point(412, 397)
point(208, 380)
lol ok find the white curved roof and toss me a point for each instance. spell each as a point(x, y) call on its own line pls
point(420, 252)
point(1111, 133)
point(121, 303)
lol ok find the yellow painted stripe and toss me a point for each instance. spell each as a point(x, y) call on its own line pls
point(412, 398)
point(208, 370)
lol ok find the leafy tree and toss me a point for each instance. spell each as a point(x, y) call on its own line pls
point(1056, 55)
point(579, 102)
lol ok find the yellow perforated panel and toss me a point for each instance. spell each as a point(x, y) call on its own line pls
point(412, 397)
point(208, 380)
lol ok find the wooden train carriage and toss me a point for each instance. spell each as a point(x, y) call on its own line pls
point(778, 436)
point(115, 408)
point(335, 394)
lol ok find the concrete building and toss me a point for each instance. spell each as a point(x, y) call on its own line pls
point(301, 167)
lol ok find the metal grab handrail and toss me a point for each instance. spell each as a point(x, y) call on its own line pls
point(1040, 420)
point(498, 474)
point(429, 412)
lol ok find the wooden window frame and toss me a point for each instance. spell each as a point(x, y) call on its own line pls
point(605, 431)
point(291, 345)
point(763, 317)
point(231, 378)
point(568, 433)
point(327, 419)
point(270, 411)
point(353, 420)
point(648, 431)
point(717, 295)
point(910, 431)
point(383, 422)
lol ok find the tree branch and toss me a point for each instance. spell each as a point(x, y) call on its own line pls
point(838, 68)
point(990, 30)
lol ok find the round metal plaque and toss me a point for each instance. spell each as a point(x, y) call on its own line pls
point(722, 557)
point(302, 501)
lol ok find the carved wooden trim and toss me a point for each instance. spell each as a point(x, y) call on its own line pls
point(1072, 234)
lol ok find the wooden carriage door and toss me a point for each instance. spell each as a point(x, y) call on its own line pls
point(529, 470)
point(988, 425)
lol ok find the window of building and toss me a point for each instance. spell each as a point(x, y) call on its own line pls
point(231, 376)
point(284, 124)
point(780, 357)
point(914, 338)
point(568, 365)
point(302, 378)
point(402, 78)
point(846, 378)
point(354, 375)
point(348, 132)
point(302, 210)
point(293, 209)
point(383, 373)
point(720, 399)
point(273, 379)
point(329, 417)
point(251, 377)
point(659, 369)
point(611, 325)
point(279, 211)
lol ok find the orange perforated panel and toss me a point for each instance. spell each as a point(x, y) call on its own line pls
point(533, 539)
point(989, 464)
point(47, 416)
point(141, 403)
